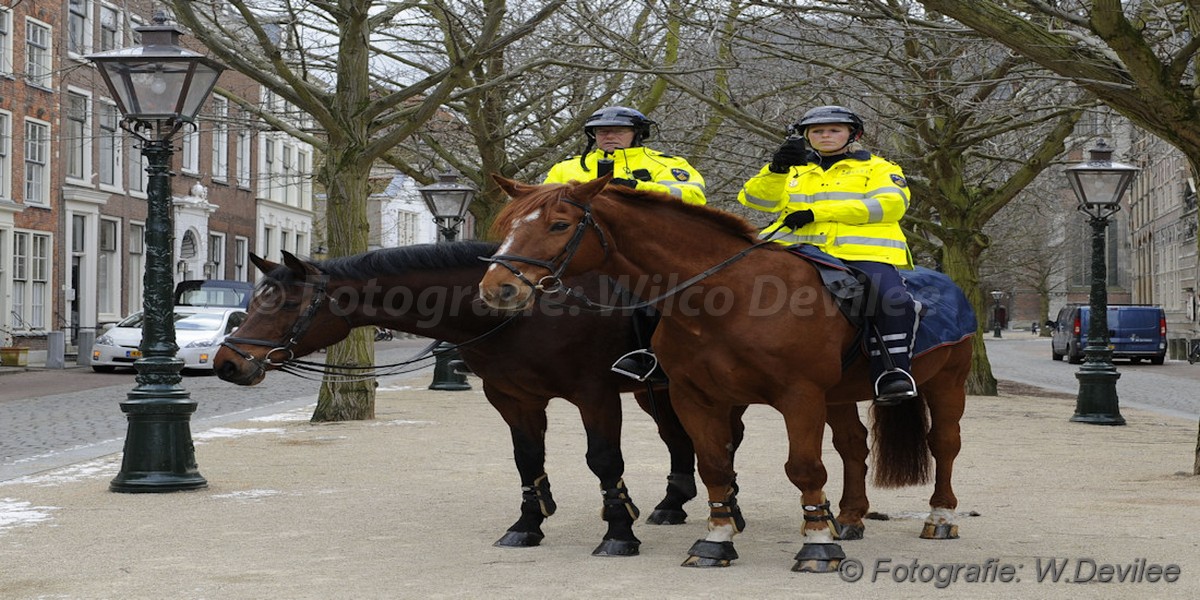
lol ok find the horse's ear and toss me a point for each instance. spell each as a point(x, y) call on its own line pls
point(584, 192)
point(512, 187)
point(264, 266)
point(301, 268)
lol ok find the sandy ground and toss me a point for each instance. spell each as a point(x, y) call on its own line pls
point(408, 505)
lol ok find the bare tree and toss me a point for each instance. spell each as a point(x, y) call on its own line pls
point(369, 75)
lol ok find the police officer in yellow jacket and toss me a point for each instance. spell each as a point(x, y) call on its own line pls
point(617, 133)
point(847, 202)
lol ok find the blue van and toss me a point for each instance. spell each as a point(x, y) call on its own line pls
point(1135, 332)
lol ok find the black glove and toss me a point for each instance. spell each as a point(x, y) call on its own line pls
point(792, 153)
point(631, 183)
point(798, 219)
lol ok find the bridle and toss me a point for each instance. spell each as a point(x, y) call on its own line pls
point(552, 283)
point(292, 337)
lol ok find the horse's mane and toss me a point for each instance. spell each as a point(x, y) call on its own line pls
point(545, 195)
point(397, 260)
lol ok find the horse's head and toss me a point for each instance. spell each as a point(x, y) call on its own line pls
point(291, 315)
point(549, 233)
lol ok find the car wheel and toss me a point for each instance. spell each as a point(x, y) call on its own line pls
point(103, 368)
point(1054, 355)
point(1157, 360)
point(1072, 357)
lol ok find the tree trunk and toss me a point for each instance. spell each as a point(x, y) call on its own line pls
point(961, 264)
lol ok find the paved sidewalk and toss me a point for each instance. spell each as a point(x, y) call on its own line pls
point(408, 505)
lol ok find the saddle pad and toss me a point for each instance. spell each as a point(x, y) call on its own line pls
point(946, 315)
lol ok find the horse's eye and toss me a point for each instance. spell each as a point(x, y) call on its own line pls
point(560, 226)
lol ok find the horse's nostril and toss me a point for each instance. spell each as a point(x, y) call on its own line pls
point(508, 291)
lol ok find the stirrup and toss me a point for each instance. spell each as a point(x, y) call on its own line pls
point(895, 397)
point(637, 365)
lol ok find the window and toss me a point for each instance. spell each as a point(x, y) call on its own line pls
point(216, 256)
point(303, 181)
point(220, 159)
point(31, 276)
point(243, 156)
point(78, 26)
point(110, 29)
point(37, 162)
point(77, 139)
point(288, 173)
point(110, 146)
point(191, 151)
point(268, 174)
point(6, 65)
point(240, 246)
point(37, 53)
point(5, 156)
point(268, 235)
point(137, 265)
point(407, 228)
point(137, 169)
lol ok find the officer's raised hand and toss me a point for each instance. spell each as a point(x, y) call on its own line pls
point(792, 153)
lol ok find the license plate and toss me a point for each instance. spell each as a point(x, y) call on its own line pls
point(133, 354)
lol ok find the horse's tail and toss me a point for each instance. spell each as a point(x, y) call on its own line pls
point(899, 444)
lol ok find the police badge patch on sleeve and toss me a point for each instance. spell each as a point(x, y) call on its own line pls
point(680, 174)
point(899, 180)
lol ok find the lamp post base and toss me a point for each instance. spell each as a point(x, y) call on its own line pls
point(1097, 401)
point(159, 455)
point(445, 378)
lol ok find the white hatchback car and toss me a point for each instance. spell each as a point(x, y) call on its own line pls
point(199, 332)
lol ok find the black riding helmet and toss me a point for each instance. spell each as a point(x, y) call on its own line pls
point(831, 114)
point(615, 116)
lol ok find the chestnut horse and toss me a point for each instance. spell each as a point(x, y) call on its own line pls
point(723, 350)
point(552, 352)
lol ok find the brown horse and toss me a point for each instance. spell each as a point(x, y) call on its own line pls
point(758, 330)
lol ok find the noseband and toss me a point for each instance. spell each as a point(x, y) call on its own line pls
point(553, 282)
point(292, 337)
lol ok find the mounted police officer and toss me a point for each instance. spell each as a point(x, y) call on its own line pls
point(617, 134)
point(848, 203)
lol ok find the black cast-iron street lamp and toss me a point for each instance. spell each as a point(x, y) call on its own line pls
point(447, 200)
point(996, 325)
point(159, 87)
point(1099, 184)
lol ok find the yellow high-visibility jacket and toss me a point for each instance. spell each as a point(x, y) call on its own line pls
point(856, 205)
point(652, 169)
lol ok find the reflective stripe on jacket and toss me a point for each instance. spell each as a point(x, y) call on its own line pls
point(659, 172)
point(856, 205)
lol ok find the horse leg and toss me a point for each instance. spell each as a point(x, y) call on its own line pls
point(713, 436)
point(601, 414)
point(681, 479)
point(946, 397)
point(819, 554)
point(527, 423)
point(850, 441)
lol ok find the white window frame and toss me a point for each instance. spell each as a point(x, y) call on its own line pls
point(77, 138)
point(6, 41)
point(111, 147)
point(37, 163)
point(134, 280)
point(190, 151)
point(243, 155)
point(31, 280)
point(113, 28)
point(5, 155)
point(79, 27)
point(136, 163)
point(241, 251)
point(39, 53)
point(220, 137)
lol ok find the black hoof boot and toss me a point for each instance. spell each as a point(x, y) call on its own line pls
point(939, 531)
point(617, 548)
point(819, 558)
point(667, 516)
point(710, 554)
point(520, 539)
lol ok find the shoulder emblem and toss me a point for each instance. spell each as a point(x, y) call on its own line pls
point(899, 180)
point(681, 174)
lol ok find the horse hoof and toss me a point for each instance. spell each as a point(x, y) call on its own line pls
point(847, 533)
point(519, 539)
point(819, 558)
point(667, 516)
point(701, 562)
point(617, 548)
point(939, 531)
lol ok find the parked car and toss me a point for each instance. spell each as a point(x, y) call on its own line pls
point(199, 332)
point(213, 292)
point(1135, 332)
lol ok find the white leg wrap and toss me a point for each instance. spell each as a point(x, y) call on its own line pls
point(940, 516)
